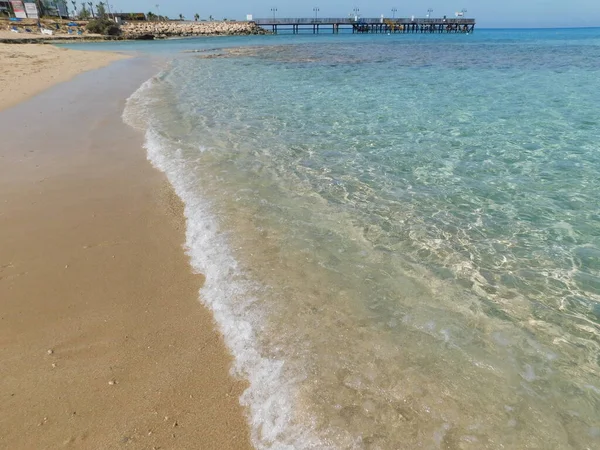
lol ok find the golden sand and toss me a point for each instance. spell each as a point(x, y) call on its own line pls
point(28, 69)
point(103, 342)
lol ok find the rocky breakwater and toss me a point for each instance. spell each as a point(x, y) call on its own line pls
point(164, 30)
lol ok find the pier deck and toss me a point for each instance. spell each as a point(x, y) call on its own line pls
point(377, 25)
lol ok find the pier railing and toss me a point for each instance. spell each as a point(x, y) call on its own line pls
point(370, 25)
point(352, 21)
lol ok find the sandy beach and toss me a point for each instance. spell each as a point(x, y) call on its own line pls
point(28, 69)
point(103, 342)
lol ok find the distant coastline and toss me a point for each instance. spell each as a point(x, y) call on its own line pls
point(28, 31)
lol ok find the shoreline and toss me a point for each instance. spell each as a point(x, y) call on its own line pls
point(26, 32)
point(28, 69)
point(104, 340)
point(60, 40)
point(56, 40)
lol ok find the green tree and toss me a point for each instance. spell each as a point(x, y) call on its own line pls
point(151, 16)
point(101, 10)
point(103, 26)
point(196, 17)
point(84, 14)
point(210, 18)
point(181, 17)
point(91, 8)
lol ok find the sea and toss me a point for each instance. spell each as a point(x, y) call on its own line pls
point(400, 234)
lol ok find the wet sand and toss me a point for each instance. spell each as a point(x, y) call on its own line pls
point(103, 342)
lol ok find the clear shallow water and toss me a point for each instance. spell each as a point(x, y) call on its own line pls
point(401, 237)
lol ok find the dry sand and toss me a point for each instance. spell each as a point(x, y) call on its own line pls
point(28, 69)
point(103, 343)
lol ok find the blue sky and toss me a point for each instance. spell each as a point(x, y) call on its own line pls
point(489, 13)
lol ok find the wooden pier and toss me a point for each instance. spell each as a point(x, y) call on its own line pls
point(378, 25)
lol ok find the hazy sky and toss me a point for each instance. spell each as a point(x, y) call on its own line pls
point(489, 13)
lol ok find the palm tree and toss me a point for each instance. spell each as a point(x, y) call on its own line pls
point(84, 14)
point(151, 16)
point(41, 8)
point(210, 18)
point(101, 10)
point(92, 8)
point(196, 17)
point(181, 17)
point(58, 4)
point(74, 2)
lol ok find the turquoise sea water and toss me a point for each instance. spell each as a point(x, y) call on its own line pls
point(400, 234)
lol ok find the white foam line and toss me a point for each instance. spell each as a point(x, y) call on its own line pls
point(231, 297)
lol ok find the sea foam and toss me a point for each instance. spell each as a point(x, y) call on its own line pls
point(232, 297)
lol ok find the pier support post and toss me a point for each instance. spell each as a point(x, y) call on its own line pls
point(366, 26)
